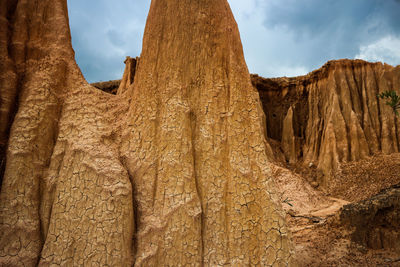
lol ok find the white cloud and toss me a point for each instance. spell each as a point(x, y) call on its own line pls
point(288, 71)
point(385, 50)
point(243, 9)
point(269, 52)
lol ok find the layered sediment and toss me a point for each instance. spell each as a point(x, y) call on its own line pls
point(332, 115)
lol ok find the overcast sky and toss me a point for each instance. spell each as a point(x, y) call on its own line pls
point(280, 37)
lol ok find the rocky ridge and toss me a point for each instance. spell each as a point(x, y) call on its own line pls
point(332, 115)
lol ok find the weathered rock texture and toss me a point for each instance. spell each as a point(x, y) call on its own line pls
point(328, 117)
point(120, 86)
point(110, 87)
point(128, 77)
point(195, 145)
point(375, 222)
point(171, 171)
point(332, 115)
point(37, 69)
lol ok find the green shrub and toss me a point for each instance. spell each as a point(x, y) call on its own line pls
point(393, 100)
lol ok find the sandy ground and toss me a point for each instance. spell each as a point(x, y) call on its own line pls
point(312, 214)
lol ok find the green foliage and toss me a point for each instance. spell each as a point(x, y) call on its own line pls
point(288, 201)
point(393, 100)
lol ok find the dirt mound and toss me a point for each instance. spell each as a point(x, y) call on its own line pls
point(375, 221)
point(359, 234)
point(360, 180)
point(329, 244)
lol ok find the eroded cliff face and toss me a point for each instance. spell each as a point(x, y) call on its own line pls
point(364, 232)
point(327, 118)
point(173, 170)
point(195, 145)
point(332, 115)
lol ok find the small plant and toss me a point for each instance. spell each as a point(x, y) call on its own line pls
point(393, 100)
point(287, 201)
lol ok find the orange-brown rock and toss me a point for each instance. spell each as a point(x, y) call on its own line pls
point(195, 145)
point(37, 69)
point(128, 77)
point(110, 87)
point(171, 171)
point(332, 115)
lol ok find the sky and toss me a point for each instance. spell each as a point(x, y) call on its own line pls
point(279, 37)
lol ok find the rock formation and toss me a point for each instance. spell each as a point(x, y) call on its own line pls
point(129, 74)
point(367, 232)
point(37, 70)
point(172, 170)
point(110, 87)
point(195, 147)
point(172, 165)
point(329, 117)
point(332, 115)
